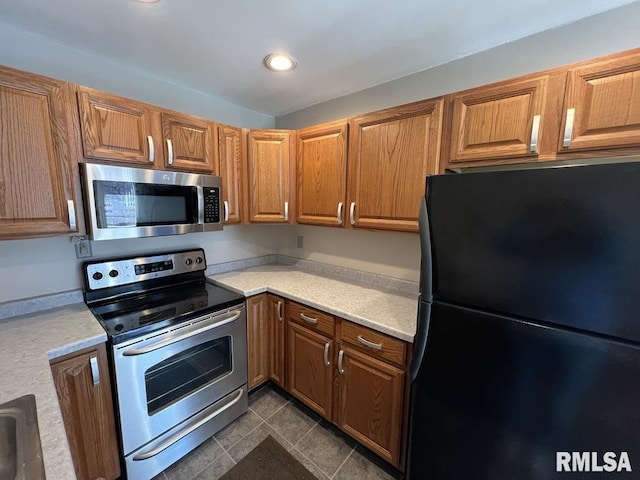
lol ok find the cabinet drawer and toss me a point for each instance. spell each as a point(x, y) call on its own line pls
point(374, 343)
point(310, 318)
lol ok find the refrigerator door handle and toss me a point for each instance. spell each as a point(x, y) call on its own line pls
point(425, 251)
point(420, 339)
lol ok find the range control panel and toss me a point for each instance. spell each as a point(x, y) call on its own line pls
point(123, 271)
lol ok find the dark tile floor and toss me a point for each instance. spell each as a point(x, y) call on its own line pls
point(325, 451)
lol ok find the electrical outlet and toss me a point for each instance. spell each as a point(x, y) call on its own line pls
point(82, 245)
point(300, 241)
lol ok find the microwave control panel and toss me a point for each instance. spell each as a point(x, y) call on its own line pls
point(211, 205)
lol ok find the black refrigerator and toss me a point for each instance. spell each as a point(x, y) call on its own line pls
point(527, 353)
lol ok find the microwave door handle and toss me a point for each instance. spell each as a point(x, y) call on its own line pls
point(158, 345)
point(200, 190)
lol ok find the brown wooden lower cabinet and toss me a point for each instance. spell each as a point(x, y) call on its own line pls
point(257, 340)
point(276, 318)
point(84, 392)
point(309, 367)
point(371, 402)
point(363, 391)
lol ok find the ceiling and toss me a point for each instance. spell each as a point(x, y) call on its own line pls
point(341, 47)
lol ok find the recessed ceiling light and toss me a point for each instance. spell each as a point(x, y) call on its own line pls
point(148, 1)
point(279, 62)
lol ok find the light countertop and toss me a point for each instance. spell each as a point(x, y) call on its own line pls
point(27, 344)
point(387, 311)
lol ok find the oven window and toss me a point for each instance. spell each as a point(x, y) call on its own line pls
point(176, 377)
point(129, 204)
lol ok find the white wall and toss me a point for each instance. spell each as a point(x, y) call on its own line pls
point(398, 255)
point(37, 54)
point(609, 32)
point(385, 253)
point(43, 266)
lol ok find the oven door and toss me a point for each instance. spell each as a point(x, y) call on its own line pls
point(169, 376)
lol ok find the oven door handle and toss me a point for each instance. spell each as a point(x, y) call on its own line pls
point(183, 433)
point(155, 346)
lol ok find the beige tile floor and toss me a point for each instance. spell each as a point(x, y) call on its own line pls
point(326, 452)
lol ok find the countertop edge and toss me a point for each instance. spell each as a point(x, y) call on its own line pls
point(266, 288)
point(76, 346)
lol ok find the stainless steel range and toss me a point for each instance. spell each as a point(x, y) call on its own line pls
point(178, 353)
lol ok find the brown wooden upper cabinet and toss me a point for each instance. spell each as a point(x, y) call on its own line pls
point(189, 143)
point(270, 172)
point(602, 105)
point(322, 174)
point(390, 154)
point(36, 166)
point(116, 128)
point(503, 121)
point(232, 158)
point(124, 130)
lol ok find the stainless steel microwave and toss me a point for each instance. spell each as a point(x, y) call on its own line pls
point(122, 202)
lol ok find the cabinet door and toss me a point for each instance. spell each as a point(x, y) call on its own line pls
point(36, 169)
point(269, 171)
point(371, 401)
point(309, 368)
point(257, 340)
point(503, 121)
point(231, 153)
point(322, 174)
point(84, 392)
point(116, 128)
point(277, 317)
point(390, 154)
point(602, 105)
point(189, 143)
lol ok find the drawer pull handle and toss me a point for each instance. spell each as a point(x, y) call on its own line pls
point(152, 150)
point(535, 130)
point(95, 371)
point(367, 343)
point(279, 310)
point(568, 127)
point(186, 431)
point(170, 151)
point(226, 210)
point(286, 211)
point(340, 369)
point(352, 212)
point(307, 319)
point(326, 354)
point(72, 215)
point(339, 213)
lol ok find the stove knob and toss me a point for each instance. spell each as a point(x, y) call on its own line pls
point(97, 276)
point(113, 273)
point(188, 261)
point(119, 327)
point(198, 259)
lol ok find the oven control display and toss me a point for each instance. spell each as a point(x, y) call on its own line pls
point(154, 267)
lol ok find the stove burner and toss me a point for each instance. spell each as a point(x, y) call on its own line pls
point(162, 297)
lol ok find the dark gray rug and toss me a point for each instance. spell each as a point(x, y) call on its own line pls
point(268, 461)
